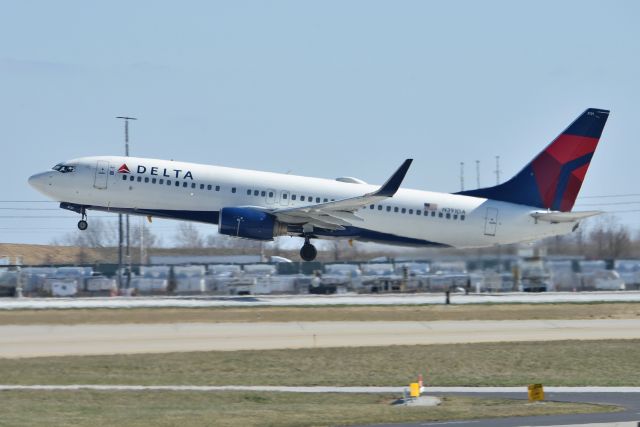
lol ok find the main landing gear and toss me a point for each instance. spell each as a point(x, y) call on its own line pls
point(308, 251)
point(83, 224)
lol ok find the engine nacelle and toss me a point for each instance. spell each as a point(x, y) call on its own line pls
point(249, 223)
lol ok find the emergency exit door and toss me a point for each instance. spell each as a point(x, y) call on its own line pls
point(491, 222)
point(102, 174)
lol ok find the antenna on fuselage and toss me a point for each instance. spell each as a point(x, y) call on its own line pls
point(128, 239)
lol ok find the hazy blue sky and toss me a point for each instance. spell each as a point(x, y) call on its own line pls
point(317, 88)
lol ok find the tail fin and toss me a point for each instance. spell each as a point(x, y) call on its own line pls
point(553, 179)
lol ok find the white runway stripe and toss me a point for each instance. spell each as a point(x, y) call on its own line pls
point(314, 300)
point(312, 389)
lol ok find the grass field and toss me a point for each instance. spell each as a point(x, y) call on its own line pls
point(331, 313)
point(235, 409)
point(559, 363)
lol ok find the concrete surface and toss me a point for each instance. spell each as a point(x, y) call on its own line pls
point(58, 340)
point(314, 300)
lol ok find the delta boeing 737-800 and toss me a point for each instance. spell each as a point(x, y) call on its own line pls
point(249, 204)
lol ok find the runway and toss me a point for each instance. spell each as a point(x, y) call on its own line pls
point(314, 300)
point(90, 339)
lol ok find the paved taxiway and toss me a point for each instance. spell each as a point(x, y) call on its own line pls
point(629, 401)
point(89, 339)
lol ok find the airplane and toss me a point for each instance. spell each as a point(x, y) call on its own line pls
point(534, 204)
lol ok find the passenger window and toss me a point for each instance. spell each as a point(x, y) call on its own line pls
point(293, 197)
point(168, 182)
point(217, 188)
point(461, 217)
point(418, 212)
point(395, 209)
point(439, 214)
point(248, 192)
point(270, 193)
point(410, 211)
point(263, 193)
point(371, 206)
point(193, 185)
point(317, 199)
point(433, 213)
point(455, 216)
point(379, 207)
point(161, 181)
point(388, 208)
point(124, 177)
point(233, 189)
point(326, 200)
point(185, 184)
point(404, 210)
point(302, 198)
point(448, 216)
point(131, 178)
point(284, 196)
point(177, 183)
point(146, 179)
point(139, 179)
point(208, 186)
point(153, 180)
point(202, 186)
point(256, 192)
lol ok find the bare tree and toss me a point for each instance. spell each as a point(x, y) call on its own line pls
point(100, 234)
point(610, 239)
point(188, 236)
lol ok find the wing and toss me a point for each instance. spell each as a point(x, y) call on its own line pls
point(555, 217)
point(337, 214)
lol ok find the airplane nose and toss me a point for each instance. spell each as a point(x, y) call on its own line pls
point(39, 180)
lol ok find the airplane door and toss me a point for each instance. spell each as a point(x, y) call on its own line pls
point(284, 198)
point(102, 173)
point(271, 196)
point(491, 222)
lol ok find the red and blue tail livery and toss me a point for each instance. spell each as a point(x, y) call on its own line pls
point(553, 179)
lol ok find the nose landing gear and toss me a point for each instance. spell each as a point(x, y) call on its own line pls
point(83, 224)
point(308, 252)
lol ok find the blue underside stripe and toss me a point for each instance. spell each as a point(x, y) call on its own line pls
point(211, 217)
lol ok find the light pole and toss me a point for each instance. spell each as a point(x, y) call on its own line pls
point(128, 240)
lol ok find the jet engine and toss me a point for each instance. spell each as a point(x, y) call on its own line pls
point(250, 223)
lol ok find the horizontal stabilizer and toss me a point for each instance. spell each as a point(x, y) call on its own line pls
point(554, 217)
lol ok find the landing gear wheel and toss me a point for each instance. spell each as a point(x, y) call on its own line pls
point(308, 251)
point(83, 225)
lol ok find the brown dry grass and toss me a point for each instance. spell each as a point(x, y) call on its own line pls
point(332, 313)
point(559, 363)
point(235, 409)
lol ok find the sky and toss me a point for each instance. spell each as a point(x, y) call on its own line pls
point(325, 89)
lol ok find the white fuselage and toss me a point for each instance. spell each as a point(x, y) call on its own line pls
point(198, 192)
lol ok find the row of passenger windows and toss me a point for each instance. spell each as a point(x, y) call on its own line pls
point(418, 212)
point(177, 183)
point(285, 196)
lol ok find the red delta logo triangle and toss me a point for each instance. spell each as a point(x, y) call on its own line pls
point(124, 169)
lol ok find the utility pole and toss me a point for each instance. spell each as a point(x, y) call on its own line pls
point(127, 236)
point(478, 173)
point(497, 170)
point(461, 176)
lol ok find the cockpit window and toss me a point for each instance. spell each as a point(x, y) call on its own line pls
point(62, 168)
